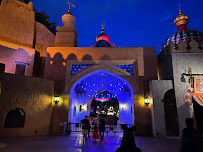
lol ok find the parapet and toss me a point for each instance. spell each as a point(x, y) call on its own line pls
point(182, 47)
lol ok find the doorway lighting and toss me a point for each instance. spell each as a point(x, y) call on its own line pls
point(146, 101)
point(56, 99)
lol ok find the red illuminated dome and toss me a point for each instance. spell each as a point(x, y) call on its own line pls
point(102, 36)
point(102, 40)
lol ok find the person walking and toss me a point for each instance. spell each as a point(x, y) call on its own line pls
point(95, 133)
point(101, 129)
point(85, 127)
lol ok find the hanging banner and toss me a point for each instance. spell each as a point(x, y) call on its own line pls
point(198, 89)
point(198, 84)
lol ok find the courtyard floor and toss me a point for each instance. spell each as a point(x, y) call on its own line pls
point(73, 143)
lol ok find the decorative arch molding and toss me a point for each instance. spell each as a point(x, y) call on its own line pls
point(106, 67)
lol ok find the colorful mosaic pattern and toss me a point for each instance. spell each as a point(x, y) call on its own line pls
point(186, 36)
point(126, 67)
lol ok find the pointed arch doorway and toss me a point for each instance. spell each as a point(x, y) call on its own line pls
point(88, 88)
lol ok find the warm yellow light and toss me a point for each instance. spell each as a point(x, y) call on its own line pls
point(56, 99)
point(146, 101)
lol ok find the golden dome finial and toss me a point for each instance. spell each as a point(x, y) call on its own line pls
point(181, 21)
point(180, 12)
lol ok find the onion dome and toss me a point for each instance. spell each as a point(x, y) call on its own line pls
point(184, 34)
point(181, 21)
point(102, 40)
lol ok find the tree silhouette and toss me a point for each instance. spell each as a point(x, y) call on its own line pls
point(42, 17)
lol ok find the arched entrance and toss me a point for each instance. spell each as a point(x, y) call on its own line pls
point(97, 86)
point(171, 117)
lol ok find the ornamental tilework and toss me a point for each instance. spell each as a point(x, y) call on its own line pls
point(186, 36)
point(126, 67)
point(77, 67)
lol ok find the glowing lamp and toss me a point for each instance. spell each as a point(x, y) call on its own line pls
point(146, 101)
point(122, 106)
point(56, 99)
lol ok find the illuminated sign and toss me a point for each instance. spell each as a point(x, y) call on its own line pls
point(102, 99)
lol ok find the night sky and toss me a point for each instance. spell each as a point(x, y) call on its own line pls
point(129, 23)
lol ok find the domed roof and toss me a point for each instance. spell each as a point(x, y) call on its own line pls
point(102, 40)
point(186, 36)
point(102, 36)
point(102, 43)
point(183, 33)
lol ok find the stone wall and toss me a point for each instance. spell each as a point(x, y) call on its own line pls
point(32, 95)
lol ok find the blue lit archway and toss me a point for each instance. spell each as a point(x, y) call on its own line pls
point(87, 87)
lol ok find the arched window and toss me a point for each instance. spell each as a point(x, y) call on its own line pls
point(15, 119)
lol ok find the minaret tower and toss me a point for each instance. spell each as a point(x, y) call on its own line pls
point(66, 36)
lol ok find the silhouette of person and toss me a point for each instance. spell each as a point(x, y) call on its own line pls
point(187, 137)
point(95, 133)
point(128, 140)
point(101, 128)
point(85, 127)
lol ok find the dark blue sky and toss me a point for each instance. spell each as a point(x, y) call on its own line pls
point(129, 23)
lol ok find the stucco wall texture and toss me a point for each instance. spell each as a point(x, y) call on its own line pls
point(20, 36)
point(33, 96)
point(44, 39)
point(181, 62)
point(10, 56)
point(158, 88)
point(17, 23)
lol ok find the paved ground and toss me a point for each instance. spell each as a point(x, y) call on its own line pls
point(73, 143)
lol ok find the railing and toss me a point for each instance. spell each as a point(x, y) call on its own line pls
point(77, 127)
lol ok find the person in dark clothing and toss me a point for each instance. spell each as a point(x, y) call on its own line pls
point(128, 140)
point(101, 128)
point(187, 137)
point(85, 127)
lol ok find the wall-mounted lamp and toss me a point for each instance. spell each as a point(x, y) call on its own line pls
point(82, 107)
point(56, 99)
point(122, 106)
point(146, 101)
